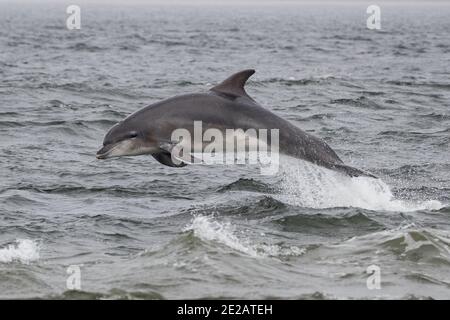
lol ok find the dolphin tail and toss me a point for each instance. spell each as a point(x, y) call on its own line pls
point(353, 172)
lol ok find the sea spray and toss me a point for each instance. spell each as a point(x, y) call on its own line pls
point(307, 185)
point(23, 250)
point(207, 228)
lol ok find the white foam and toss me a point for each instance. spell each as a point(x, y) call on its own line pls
point(310, 186)
point(23, 250)
point(209, 229)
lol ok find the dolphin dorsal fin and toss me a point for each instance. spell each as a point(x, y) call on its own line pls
point(234, 85)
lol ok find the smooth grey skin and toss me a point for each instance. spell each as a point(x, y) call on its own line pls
point(225, 106)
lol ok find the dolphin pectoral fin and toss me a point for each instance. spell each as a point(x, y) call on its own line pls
point(167, 146)
point(165, 158)
point(180, 155)
point(350, 171)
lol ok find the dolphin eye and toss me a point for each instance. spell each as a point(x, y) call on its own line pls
point(133, 135)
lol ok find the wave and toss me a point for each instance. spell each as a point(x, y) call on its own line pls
point(436, 85)
point(81, 46)
point(360, 102)
point(76, 190)
point(409, 170)
point(292, 81)
point(65, 127)
point(23, 250)
point(318, 116)
point(424, 192)
point(252, 207)
point(347, 38)
point(307, 185)
point(408, 242)
point(210, 230)
point(330, 224)
point(246, 185)
point(113, 294)
point(437, 116)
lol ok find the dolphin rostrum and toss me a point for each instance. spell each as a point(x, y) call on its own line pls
point(225, 106)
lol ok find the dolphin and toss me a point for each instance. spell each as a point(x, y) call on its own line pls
point(226, 105)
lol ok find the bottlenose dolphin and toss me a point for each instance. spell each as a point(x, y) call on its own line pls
point(226, 105)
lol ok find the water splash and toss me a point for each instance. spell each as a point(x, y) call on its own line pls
point(208, 229)
point(304, 184)
point(23, 250)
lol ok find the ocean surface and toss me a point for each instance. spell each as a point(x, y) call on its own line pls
point(135, 229)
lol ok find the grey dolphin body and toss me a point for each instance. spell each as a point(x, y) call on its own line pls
point(225, 106)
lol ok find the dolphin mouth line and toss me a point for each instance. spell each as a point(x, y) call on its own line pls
point(101, 156)
point(105, 151)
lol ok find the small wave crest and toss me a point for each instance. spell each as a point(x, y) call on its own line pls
point(23, 250)
point(307, 185)
point(406, 241)
point(208, 229)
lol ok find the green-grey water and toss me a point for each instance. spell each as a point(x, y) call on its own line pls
point(138, 229)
